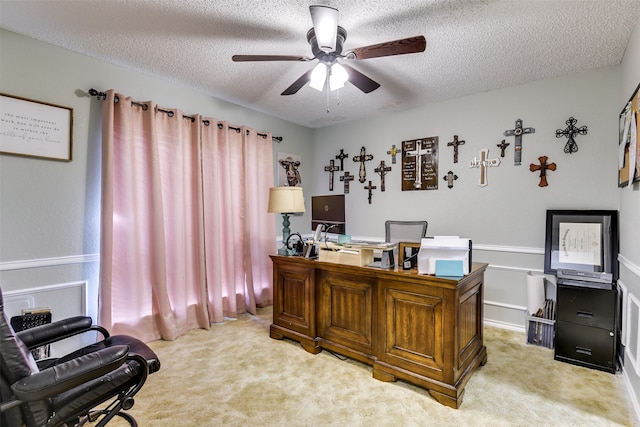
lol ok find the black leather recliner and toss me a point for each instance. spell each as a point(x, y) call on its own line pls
point(65, 391)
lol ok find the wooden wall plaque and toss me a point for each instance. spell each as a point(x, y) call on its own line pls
point(420, 164)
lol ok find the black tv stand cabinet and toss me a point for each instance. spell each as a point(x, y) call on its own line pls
point(587, 326)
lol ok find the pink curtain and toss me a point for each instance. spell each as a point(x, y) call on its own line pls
point(185, 232)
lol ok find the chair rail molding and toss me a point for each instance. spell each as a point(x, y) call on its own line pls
point(48, 262)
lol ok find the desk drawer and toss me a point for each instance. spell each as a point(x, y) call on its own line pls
point(594, 347)
point(586, 306)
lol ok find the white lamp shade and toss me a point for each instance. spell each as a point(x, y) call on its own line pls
point(325, 25)
point(338, 77)
point(318, 77)
point(286, 200)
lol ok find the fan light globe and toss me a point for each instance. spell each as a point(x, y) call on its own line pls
point(338, 77)
point(318, 77)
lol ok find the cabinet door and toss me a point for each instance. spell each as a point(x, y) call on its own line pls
point(294, 298)
point(586, 346)
point(413, 336)
point(346, 308)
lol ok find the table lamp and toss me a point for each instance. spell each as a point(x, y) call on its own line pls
point(285, 200)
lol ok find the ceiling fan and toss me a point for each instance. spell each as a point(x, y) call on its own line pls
point(327, 39)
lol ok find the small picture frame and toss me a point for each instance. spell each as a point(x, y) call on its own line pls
point(35, 129)
point(408, 262)
point(629, 149)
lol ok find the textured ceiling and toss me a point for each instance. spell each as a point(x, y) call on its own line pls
point(472, 46)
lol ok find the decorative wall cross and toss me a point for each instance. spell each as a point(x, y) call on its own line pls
point(393, 151)
point(484, 163)
point(331, 169)
point(346, 178)
point(455, 144)
point(341, 157)
point(450, 177)
point(370, 188)
point(569, 132)
point(363, 157)
point(518, 131)
point(503, 146)
point(542, 167)
point(382, 170)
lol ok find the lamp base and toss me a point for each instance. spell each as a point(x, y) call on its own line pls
point(283, 251)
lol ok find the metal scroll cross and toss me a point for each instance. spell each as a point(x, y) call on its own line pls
point(370, 188)
point(542, 167)
point(363, 157)
point(393, 151)
point(503, 146)
point(518, 131)
point(341, 157)
point(450, 177)
point(455, 144)
point(569, 132)
point(483, 163)
point(382, 171)
point(331, 169)
point(346, 178)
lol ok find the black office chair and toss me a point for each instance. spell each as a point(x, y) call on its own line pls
point(65, 391)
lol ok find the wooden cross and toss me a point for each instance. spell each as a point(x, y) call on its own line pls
point(450, 177)
point(503, 146)
point(341, 157)
point(382, 171)
point(569, 132)
point(363, 157)
point(393, 151)
point(331, 169)
point(484, 163)
point(418, 153)
point(455, 144)
point(542, 167)
point(346, 178)
point(370, 188)
point(518, 131)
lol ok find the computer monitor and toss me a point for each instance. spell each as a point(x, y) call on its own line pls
point(330, 212)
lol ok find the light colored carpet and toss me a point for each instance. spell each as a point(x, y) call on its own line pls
point(236, 375)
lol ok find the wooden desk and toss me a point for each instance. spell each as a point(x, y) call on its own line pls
point(421, 329)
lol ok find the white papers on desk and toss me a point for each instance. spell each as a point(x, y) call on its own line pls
point(443, 248)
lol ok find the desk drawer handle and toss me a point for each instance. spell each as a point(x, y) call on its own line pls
point(585, 314)
point(583, 350)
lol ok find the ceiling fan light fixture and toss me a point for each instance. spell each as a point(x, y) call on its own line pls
point(338, 77)
point(325, 24)
point(318, 77)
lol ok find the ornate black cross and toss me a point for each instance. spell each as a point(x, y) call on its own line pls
point(346, 178)
point(370, 188)
point(331, 169)
point(363, 157)
point(542, 167)
point(341, 157)
point(393, 151)
point(455, 144)
point(503, 146)
point(382, 170)
point(569, 132)
point(518, 131)
point(450, 177)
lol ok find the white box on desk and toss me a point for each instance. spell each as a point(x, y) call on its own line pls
point(443, 248)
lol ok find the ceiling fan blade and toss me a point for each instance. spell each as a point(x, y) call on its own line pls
point(361, 81)
point(325, 26)
point(298, 84)
point(247, 58)
point(396, 47)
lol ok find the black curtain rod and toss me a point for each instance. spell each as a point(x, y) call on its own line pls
point(103, 96)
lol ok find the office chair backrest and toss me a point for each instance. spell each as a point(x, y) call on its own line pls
point(405, 231)
point(17, 362)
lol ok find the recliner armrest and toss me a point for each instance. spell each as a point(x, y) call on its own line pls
point(57, 379)
point(57, 331)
